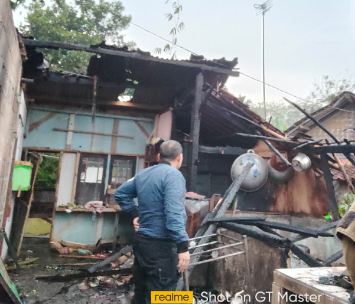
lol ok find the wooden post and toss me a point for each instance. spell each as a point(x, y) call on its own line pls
point(195, 134)
point(333, 206)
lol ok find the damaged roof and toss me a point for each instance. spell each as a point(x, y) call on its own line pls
point(156, 81)
point(218, 123)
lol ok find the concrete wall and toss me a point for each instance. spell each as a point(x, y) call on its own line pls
point(10, 77)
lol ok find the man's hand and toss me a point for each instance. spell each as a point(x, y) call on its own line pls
point(135, 224)
point(184, 261)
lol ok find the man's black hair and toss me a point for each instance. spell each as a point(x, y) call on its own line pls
point(170, 150)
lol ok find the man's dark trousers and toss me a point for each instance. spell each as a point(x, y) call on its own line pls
point(155, 267)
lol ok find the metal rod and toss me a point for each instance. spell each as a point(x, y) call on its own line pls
point(202, 245)
point(218, 248)
point(264, 65)
point(201, 237)
point(218, 258)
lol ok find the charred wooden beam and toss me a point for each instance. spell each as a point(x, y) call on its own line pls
point(195, 133)
point(277, 152)
point(333, 206)
point(222, 150)
point(299, 230)
point(260, 222)
point(238, 218)
point(308, 143)
point(75, 47)
point(304, 256)
point(110, 259)
point(333, 258)
point(324, 228)
point(81, 275)
point(119, 104)
point(345, 149)
point(268, 238)
point(284, 141)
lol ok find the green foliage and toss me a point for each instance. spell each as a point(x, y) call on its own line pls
point(82, 22)
point(174, 16)
point(47, 174)
point(325, 90)
point(345, 203)
point(15, 3)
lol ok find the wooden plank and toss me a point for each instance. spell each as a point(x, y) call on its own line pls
point(74, 47)
point(38, 123)
point(144, 131)
point(7, 285)
point(30, 200)
point(114, 104)
point(105, 210)
point(222, 150)
point(115, 233)
point(93, 133)
point(75, 177)
point(70, 134)
point(22, 209)
point(114, 138)
point(47, 150)
point(77, 245)
point(332, 202)
point(195, 134)
point(56, 194)
point(345, 149)
point(99, 226)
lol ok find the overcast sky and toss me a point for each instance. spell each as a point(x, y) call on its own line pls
point(304, 39)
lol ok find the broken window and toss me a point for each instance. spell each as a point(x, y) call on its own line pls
point(91, 178)
point(122, 168)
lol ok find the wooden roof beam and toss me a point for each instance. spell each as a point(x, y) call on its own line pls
point(116, 104)
point(137, 56)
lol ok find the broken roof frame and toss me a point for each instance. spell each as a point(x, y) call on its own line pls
point(75, 47)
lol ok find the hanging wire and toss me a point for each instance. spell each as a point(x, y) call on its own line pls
point(242, 73)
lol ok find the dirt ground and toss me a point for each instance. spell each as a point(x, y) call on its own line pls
point(99, 290)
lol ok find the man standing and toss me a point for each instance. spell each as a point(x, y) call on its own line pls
point(346, 233)
point(161, 247)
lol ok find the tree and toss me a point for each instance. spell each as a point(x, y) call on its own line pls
point(15, 3)
point(327, 88)
point(82, 22)
point(173, 16)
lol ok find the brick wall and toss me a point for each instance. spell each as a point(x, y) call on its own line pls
point(10, 77)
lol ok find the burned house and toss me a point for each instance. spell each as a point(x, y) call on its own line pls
point(100, 141)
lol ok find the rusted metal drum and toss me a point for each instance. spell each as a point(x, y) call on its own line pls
point(257, 175)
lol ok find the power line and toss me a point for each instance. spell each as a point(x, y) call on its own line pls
point(181, 47)
point(253, 78)
point(271, 86)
